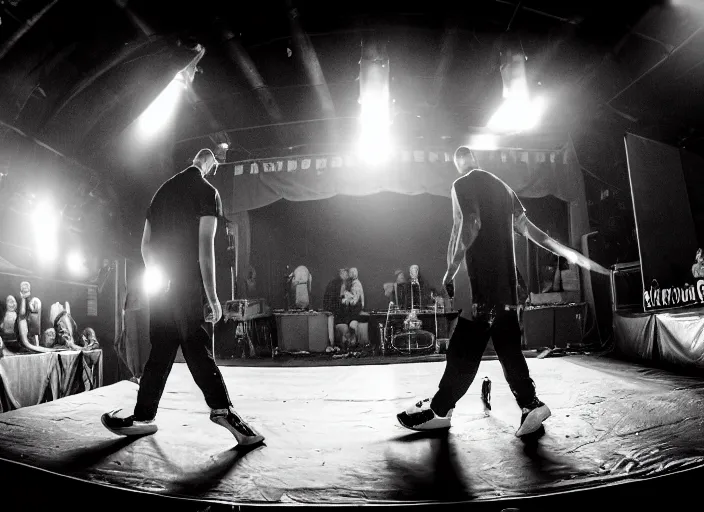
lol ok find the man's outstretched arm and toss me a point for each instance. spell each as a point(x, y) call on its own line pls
point(526, 228)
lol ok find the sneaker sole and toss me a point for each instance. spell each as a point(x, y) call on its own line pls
point(534, 421)
point(424, 427)
point(141, 430)
point(246, 441)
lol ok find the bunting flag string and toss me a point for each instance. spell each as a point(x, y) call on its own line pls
point(322, 162)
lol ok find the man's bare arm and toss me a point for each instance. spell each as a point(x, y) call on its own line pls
point(464, 233)
point(147, 254)
point(526, 228)
point(206, 256)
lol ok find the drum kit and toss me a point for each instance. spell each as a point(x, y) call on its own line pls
point(412, 339)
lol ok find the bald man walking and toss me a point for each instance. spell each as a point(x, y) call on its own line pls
point(178, 245)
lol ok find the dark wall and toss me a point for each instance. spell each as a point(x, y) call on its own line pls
point(611, 214)
point(602, 155)
point(376, 234)
point(666, 233)
point(552, 216)
point(693, 168)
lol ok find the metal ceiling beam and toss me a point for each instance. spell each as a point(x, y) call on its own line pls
point(310, 60)
point(447, 51)
point(118, 59)
point(217, 135)
point(10, 43)
point(656, 65)
point(138, 22)
point(244, 62)
point(271, 125)
point(535, 11)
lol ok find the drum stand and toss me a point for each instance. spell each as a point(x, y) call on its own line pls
point(242, 336)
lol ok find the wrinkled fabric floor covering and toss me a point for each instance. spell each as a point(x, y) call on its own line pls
point(332, 435)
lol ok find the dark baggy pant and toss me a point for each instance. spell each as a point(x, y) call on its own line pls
point(467, 345)
point(177, 319)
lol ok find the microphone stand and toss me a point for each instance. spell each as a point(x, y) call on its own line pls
point(386, 326)
point(287, 286)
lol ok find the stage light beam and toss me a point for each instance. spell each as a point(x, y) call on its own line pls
point(162, 109)
point(517, 114)
point(375, 119)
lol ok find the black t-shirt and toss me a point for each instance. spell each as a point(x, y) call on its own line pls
point(174, 216)
point(491, 260)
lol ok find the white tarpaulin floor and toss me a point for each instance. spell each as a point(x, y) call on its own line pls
point(332, 436)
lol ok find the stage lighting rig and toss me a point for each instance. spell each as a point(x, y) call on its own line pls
point(375, 101)
point(519, 110)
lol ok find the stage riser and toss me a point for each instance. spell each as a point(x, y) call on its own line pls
point(675, 338)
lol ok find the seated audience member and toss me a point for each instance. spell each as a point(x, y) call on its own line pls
point(334, 292)
point(353, 302)
point(356, 297)
point(301, 284)
point(332, 302)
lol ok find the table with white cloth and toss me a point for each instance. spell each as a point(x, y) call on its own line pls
point(31, 379)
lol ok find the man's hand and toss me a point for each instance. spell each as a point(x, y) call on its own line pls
point(214, 312)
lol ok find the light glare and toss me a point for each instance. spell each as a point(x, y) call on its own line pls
point(46, 226)
point(516, 114)
point(162, 109)
point(483, 142)
point(154, 281)
point(375, 139)
point(76, 263)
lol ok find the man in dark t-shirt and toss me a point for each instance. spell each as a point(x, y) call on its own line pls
point(486, 213)
point(179, 255)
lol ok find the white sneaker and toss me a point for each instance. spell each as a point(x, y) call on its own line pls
point(532, 418)
point(245, 435)
point(421, 417)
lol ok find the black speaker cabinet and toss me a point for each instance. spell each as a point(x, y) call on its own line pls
point(553, 326)
point(538, 325)
point(569, 321)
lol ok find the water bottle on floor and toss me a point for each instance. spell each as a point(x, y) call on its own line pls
point(486, 394)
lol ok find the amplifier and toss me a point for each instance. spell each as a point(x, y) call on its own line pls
point(553, 326)
point(303, 332)
point(626, 287)
point(242, 309)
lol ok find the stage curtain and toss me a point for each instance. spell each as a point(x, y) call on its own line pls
point(681, 338)
point(529, 173)
point(31, 379)
point(532, 174)
point(635, 335)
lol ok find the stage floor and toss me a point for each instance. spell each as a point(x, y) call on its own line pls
point(332, 436)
